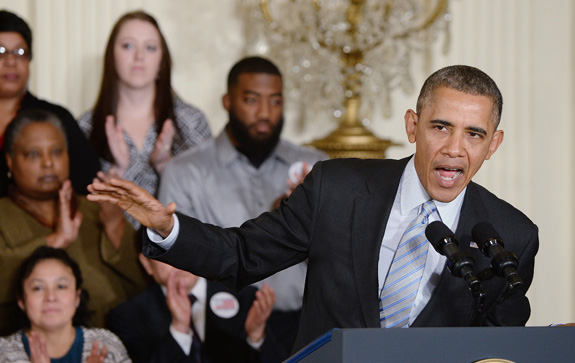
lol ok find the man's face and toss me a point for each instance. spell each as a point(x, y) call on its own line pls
point(454, 134)
point(255, 106)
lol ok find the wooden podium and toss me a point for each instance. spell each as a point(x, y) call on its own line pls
point(461, 345)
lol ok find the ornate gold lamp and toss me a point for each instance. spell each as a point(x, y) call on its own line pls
point(347, 56)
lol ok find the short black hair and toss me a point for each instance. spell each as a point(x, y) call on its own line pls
point(251, 65)
point(464, 79)
point(10, 22)
point(25, 118)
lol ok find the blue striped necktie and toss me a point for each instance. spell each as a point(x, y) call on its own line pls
point(402, 282)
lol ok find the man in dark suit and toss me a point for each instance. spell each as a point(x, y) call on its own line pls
point(348, 217)
point(163, 325)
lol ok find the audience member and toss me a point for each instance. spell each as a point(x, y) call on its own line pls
point(244, 171)
point(41, 209)
point(138, 122)
point(184, 318)
point(54, 312)
point(15, 57)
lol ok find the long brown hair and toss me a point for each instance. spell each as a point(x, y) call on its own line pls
point(107, 101)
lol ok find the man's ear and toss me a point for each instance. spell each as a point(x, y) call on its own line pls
point(494, 144)
point(145, 263)
point(226, 101)
point(411, 119)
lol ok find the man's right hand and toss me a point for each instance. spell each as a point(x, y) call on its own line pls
point(137, 202)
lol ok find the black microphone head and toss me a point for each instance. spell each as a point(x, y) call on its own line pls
point(437, 232)
point(482, 233)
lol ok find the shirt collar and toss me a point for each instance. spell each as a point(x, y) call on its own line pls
point(413, 194)
point(200, 290)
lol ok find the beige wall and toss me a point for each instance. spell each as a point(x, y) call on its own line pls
point(527, 46)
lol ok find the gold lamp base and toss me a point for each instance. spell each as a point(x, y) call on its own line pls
point(353, 142)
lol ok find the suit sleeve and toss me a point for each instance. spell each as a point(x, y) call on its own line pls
point(259, 248)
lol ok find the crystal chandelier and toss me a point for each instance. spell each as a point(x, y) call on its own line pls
point(343, 58)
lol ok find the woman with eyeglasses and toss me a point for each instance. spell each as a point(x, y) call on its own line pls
point(15, 58)
point(138, 122)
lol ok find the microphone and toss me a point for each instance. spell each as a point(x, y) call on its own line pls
point(459, 262)
point(503, 262)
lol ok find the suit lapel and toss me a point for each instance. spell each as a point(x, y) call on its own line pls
point(473, 211)
point(370, 214)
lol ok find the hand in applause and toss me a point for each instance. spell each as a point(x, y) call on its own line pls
point(162, 152)
point(178, 302)
point(67, 225)
point(97, 355)
point(135, 201)
point(259, 313)
point(38, 349)
point(297, 177)
point(117, 145)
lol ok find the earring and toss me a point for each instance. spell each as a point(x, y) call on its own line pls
point(9, 173)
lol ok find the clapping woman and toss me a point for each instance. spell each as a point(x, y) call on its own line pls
point(138, 122)
point(53, 311)
point(42, 209)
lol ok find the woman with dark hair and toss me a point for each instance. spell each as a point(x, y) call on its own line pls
point(138, 122)
point(15, 57)
point(54, 312)
point(42, 210)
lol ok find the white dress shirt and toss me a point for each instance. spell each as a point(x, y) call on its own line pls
point(407, 204)
point(184, 340)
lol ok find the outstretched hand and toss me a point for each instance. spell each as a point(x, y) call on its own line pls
point(137, 202)
point(111, 216)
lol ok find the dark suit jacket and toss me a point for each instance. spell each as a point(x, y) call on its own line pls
point(337, 219)
point(143, 323)
point(84, 162)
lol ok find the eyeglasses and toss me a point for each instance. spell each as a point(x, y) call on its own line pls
point(19, 53)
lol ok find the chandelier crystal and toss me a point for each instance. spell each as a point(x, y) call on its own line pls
point(343, 59)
